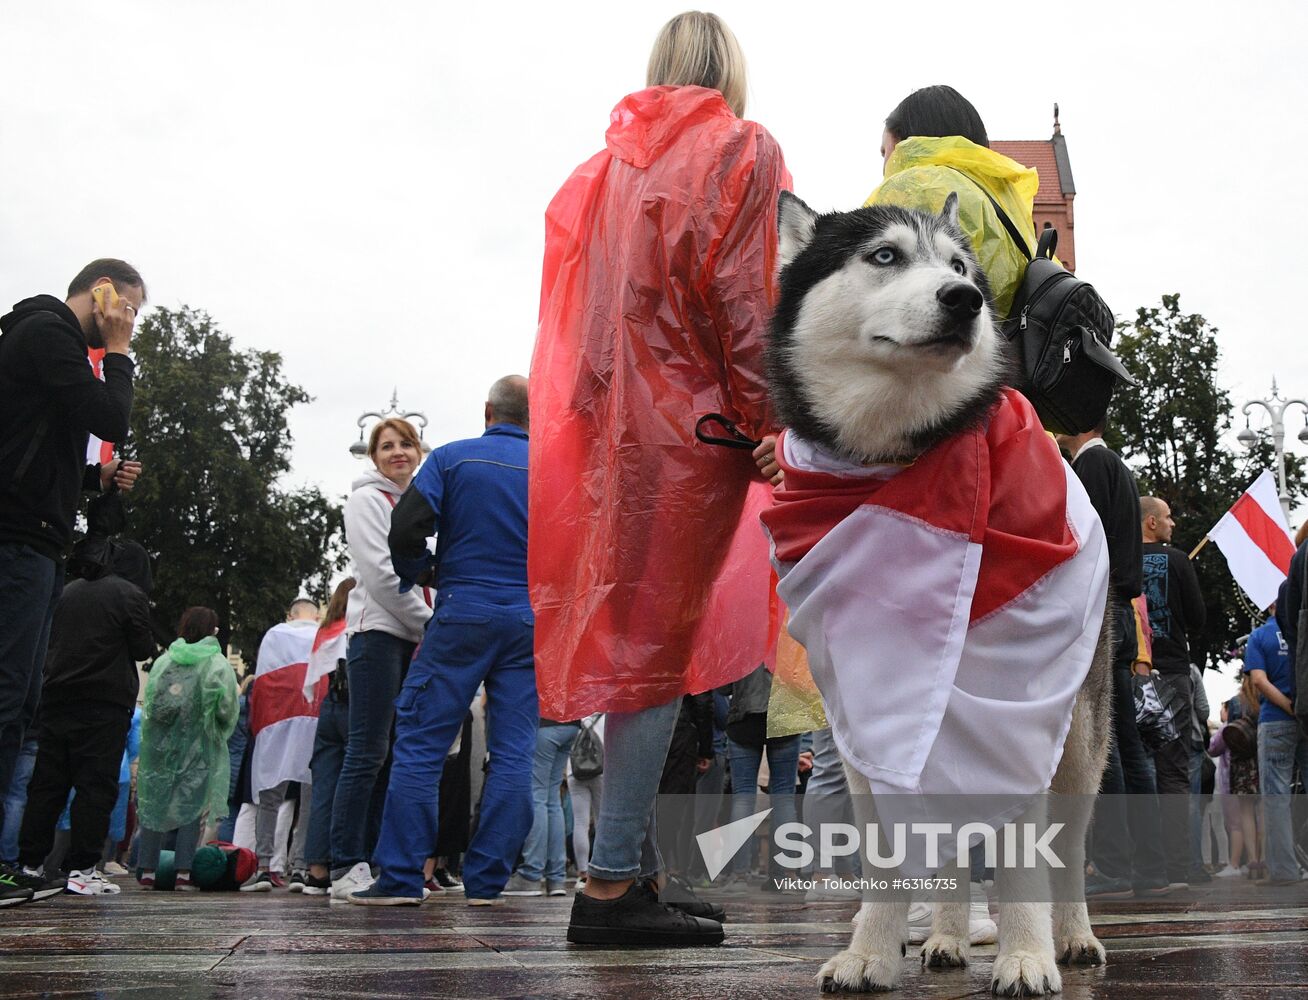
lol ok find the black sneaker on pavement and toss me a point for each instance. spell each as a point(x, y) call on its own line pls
point(12, 893)
point(678, 893)
point(314, 886)
point(637, 918)
point(1102, 887)
point(296, 884)
point(445, 880)
point(42, 887)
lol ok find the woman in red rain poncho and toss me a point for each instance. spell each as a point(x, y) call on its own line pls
point(649, 574)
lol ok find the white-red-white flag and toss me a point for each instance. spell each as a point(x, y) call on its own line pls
point(945, 604)
point(282, 721)
point(328, 650)
point(1256, 540)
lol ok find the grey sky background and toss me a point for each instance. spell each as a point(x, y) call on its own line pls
point(362, 187)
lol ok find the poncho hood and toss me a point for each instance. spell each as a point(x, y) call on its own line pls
point(645, 124)
point(992, 170)
point(189, 653)
point(373, 478)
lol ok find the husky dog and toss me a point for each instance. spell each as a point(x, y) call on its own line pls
point(882, 345)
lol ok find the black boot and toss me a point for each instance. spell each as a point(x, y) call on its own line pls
point(637, 918)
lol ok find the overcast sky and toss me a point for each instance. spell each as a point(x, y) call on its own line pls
point(361, 187)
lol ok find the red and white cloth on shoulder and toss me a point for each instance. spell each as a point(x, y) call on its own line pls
point(950, 608)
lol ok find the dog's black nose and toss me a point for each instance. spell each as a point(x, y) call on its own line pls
point(961, 299)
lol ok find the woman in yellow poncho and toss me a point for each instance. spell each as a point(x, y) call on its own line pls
point(935, 143)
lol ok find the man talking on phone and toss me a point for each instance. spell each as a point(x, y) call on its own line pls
point(50, 402)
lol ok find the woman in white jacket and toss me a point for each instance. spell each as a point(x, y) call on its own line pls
point(384, 628)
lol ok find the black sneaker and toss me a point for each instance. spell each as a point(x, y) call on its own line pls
point(42, 887)
point(445, 880)
point(296, 884)
point(1103, 887)
point(637, 918)
point(12, 891)
point(314, 886)
point(678, 893)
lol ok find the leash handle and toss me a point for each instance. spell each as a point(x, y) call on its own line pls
point(735, 437)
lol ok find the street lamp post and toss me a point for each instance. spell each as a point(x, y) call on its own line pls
point(359, 448)
point(1275, 407)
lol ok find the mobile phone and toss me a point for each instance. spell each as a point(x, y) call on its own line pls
point(104, 292)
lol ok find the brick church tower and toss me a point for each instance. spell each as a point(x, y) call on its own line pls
point(1053, 202)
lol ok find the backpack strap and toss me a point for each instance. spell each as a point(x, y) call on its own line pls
point(1018, 240)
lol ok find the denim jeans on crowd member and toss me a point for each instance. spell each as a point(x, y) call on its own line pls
point(1198, 803)
point(826, 799)
point(15, 799)
point(626, 835)
point(329, 741)
point(188, 838)
point(1128, 838)
point(467, 643)
point(377, 663)
point(783, 774)
point(586, 795)
point(30, 584)
point(1280, 746)
point(544, 854)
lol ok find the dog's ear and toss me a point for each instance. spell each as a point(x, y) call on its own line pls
point(796, 223)
point(950, 212)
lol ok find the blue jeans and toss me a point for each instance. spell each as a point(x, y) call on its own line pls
point(466, 644)
point(544, 853)
point(30, 585)
point(783, 772)
point(329, 741)
point(826, 797)
point(15, 800)
point(1280, 746)
point(626, 836)
point(377, 663)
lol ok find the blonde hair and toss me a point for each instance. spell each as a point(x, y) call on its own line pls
point(695, 49)
point(407, 432)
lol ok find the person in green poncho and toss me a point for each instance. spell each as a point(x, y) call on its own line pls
point(190, 709)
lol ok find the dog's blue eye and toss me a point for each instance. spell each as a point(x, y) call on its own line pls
point(959, 267)
point(883, 256)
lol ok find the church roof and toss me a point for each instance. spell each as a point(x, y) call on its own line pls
point(1049, 158)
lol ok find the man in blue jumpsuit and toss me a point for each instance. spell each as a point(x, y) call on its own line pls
point(472, 495)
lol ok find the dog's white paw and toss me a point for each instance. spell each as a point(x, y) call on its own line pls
point(850, 972)
point(1025, 974)
point(1080, 949)
point(944, 951)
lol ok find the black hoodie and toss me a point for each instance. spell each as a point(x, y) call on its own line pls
point(44, 372)
point(101, 629)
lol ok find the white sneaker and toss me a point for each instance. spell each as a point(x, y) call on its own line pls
point(981, 928)
point(1228, 872)
point(114, 870)
point(90, 883)
point(356, 879)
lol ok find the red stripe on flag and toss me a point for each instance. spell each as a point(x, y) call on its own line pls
point(1264, 532)
point(279, 695)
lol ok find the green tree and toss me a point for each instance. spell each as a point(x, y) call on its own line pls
point(209, 425)
point(1170, 430)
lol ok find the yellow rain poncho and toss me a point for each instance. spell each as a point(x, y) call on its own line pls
point(191, 705)
point(921, 173)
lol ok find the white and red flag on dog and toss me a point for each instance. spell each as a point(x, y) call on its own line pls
point(328, 650)
point(282, 720)
point(1254, 537)
point(950, 608)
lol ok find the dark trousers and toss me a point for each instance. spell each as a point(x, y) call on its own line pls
point(79, 747)
point(30, 584)
point(1127, 823)
point(1172, 771)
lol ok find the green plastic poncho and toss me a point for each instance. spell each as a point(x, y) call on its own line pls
point(921, 173)
point(191, 706)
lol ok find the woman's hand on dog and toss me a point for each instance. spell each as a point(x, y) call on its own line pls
point(765, 457)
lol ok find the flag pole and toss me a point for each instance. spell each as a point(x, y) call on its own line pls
point(1195, 552)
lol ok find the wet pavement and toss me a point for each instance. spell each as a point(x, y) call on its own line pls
point(1225, 941)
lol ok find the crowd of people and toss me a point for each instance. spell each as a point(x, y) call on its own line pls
point(551, 623)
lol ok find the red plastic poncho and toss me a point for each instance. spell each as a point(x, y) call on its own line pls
point(649, 574)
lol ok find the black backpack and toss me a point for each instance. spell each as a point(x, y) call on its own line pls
point(1058, 331)
point(587, 753)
